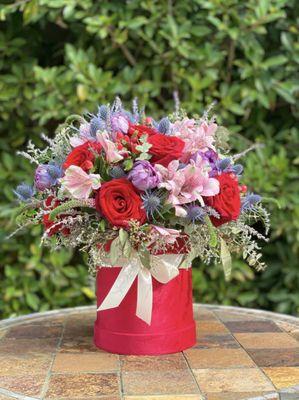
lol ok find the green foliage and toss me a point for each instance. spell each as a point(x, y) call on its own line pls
point(62, 57)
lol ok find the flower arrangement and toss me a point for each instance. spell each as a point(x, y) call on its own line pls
point(121, 186)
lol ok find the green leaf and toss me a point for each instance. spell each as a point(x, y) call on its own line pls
point(32, 300)
point(115, 250)
point(212, 232)
point(225, 259)
point(128, 164)
point(123, 236)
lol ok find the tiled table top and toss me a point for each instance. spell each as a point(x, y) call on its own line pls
point(240, 354)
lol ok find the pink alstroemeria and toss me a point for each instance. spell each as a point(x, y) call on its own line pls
point(169, 235)
point(112, 153)
point(78, 183)
point(196, 136)
point(187, 184)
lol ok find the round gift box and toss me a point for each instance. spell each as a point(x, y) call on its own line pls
point(172, 329)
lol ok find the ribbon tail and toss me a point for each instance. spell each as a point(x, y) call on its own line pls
point(144, 296)
point(120, 287)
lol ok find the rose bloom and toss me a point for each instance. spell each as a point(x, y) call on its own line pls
point(140, 130)
point(165, 148)
point(83, 156)
point(227, 203)
point(50, 204)
point(119, 201)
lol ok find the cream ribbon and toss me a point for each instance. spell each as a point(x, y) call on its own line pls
point(164, 268)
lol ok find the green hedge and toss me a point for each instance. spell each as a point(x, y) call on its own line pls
point(65, 56)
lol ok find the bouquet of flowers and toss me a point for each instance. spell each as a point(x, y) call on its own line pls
point(130, 190)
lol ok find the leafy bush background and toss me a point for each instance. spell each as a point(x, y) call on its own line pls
point(59, 57)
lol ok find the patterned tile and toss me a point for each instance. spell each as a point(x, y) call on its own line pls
point(210, 328)
point(85, 386)
point(283, 377)
point(235, 316)
point(26, 384)
point(266, 340)
point(78, 344)
point(153, 383)
point(243, 396)
point(252, 326)
point(170, 362)
point(232, 380)
point(212, 341)
point(275, 357)
point(166, 397)
point(202, 314)
point(218, 358)
point(93, 362)
point(34, 330)
point(11, 347)
point(20, 365)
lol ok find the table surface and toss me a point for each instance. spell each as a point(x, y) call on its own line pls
point(240, 354)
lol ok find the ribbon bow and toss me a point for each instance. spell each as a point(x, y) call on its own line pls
point(164, 268)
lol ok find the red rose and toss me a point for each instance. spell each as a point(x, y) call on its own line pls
point(165, 148)
point(119, 202)
point(50, 204)
point(83, 156)
point(227, 202)
point(140, 130)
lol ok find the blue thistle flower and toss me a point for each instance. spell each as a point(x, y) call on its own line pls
point(195, 213)
point(223, 164)
point(164, 125)
point(24, 192)
point(55, 171)
point(250, 200)
point(237, 169)
point(152, 202)
point(97, 124)
point(117, 172)
point(102, 112)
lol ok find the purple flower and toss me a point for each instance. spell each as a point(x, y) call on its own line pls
point(119, 122)
point(144, 176)
point(47, 175)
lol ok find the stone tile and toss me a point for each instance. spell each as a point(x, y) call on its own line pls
point(289, 396)
point(165, 397)
point(19, 365)
point(78, 344)
point(243, 396)
point(203, 314)
point(218, 358)
point(212, 341)
point(283, 377)
point(210, 328)
point(27, 384)
point(252, 326)
point(27, 346)
point(153, 383)
point(266, 340)
point(2, 333)
point(34, 331)
point(84, 386)
point(170, 362)
point(275, 357)
point(78, 328)
point(235, 316)
point(291, 393)
point(93, 362)
point(232, 380)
